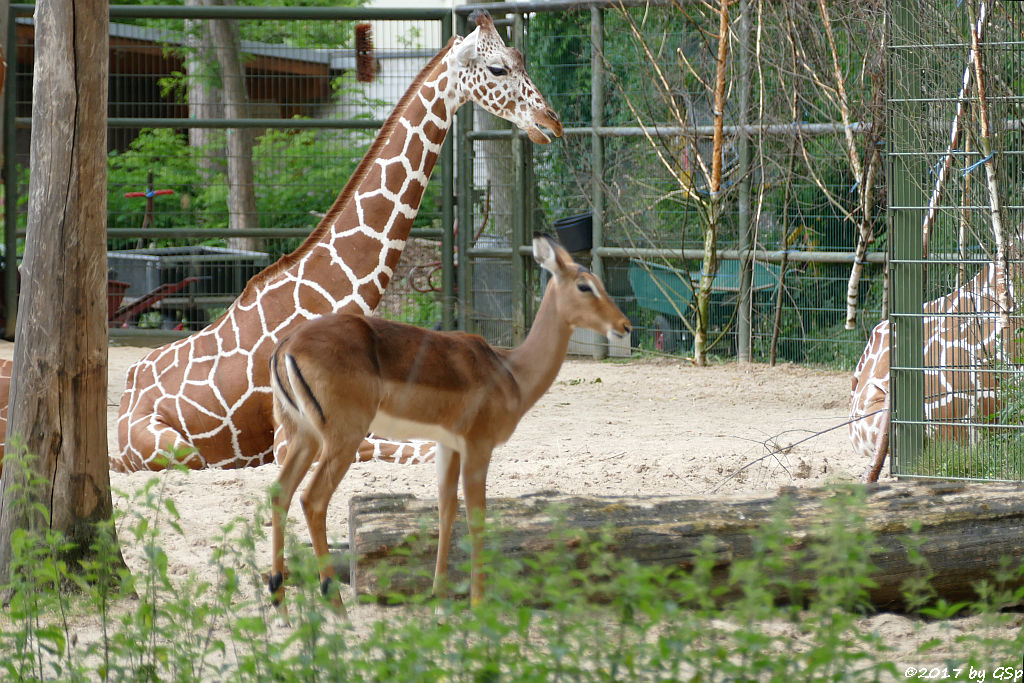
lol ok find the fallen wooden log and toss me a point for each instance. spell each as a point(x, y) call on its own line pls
point(965, 530)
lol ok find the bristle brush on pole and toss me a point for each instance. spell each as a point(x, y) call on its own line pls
point(366, 65)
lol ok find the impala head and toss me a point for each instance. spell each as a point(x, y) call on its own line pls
point(581, 298)
point(482, 68)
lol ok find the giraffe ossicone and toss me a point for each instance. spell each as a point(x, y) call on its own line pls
point(964, 339)
point(207, 396)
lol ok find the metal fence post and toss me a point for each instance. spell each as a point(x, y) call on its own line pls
point(447, 215)
point(743, 322)
point(597, 147)
point(10, 283)
point(464, 207)
point(906, 202)
point(520, 159)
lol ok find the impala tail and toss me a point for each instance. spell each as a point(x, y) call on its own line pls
point(293, 395)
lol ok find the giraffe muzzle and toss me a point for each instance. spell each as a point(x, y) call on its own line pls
point(546, 120)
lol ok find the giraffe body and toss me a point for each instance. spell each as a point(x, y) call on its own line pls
point(962, 339)
point(209, 394)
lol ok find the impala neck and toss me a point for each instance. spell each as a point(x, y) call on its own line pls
point(535, 363)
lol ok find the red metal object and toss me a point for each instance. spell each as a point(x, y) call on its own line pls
point(115, 294)
point(124, 313)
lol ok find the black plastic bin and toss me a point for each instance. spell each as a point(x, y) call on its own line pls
point(576, 233)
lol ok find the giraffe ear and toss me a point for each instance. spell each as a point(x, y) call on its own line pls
point(465, 52)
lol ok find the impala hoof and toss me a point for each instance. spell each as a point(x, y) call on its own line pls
point(274, 583)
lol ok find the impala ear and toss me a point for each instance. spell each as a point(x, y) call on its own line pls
point(550, 255)
point(465, 51)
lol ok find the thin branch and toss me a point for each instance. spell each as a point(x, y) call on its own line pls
point(774, 453)
point(954, 136)
point(995, 204)
point(844, 100)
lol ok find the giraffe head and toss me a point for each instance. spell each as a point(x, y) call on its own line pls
point(483, 69)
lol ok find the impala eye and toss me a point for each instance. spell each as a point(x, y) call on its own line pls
point(498, 70)
point(584, 287)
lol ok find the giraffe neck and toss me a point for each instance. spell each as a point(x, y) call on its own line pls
point(350, 257)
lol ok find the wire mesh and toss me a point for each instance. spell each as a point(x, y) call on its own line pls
point(957, 399)
point(653, 193)
point(194, 103)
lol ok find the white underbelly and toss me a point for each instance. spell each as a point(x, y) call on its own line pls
point(400, 428)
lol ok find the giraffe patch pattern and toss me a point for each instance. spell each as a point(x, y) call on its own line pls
point(207, 396)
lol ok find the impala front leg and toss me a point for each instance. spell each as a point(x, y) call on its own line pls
point(447, 507)
point(474, 488)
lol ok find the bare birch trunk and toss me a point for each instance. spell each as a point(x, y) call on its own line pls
point(964, 225)
point(991, 176)
point(865, 233)
point(954, 139)
point(865, 176)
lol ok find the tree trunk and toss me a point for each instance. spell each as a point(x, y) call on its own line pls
point(205, 98)
point(709, 263)
point(59, 384)
point(241, 185)
point(965, 530)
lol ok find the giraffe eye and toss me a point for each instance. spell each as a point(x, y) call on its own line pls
point(498, 70)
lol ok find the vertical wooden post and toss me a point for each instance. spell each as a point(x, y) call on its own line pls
point(59, 385)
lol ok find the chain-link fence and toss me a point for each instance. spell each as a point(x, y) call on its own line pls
point(955, 157)
point(634, 88)
point(231, 132)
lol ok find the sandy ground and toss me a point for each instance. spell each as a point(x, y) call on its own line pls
point(639, 428)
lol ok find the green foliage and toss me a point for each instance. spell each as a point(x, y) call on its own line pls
point(574, 611)
point(422, 309)
point(293, 176)
point(993, 447)
point(167, 155)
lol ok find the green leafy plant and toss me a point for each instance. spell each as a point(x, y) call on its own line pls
point(574, 610)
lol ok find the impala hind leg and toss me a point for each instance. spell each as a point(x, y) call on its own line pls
point(447, 508)
point(301, 449)
point(335, 458)
point(474, 488)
